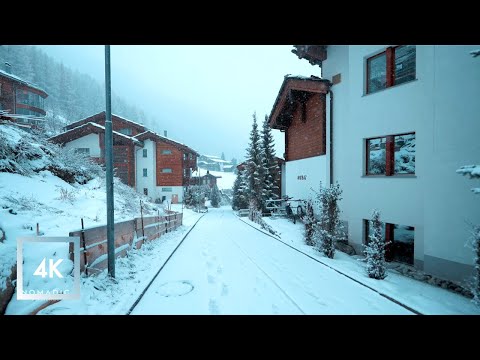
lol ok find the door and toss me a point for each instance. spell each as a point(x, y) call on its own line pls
point(174, 198)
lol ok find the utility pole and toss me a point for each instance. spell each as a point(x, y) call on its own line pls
point(109, 165)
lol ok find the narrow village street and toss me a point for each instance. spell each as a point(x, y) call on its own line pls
point(226, 267)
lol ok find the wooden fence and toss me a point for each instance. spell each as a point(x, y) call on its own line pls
point(128, 234)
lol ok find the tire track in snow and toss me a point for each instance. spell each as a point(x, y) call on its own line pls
point(388, 297)
point(268, 276)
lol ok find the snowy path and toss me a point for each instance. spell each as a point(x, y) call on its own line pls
point(226, 267)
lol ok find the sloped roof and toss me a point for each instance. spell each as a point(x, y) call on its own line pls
point(294, 88)
point(149, 134)
point(101, 116)
point(20, 80)
point(86, 129)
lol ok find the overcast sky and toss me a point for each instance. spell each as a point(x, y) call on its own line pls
point(204, 96)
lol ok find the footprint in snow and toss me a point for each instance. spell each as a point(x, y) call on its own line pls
point(224, 289)
point(211, 279)
point(213, 307)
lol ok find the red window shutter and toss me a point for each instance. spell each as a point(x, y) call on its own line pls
point(390, 66)
point(389, 242)
point(390, 156)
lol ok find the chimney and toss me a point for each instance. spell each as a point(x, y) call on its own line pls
point(208, 172)
point(165, 133)
point(8, 68)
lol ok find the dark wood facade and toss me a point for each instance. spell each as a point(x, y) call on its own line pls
point(27, 112)
point(179, 159)
point(299, 111)
point(123, 149)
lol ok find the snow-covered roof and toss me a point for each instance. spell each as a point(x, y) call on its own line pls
point(113, 115)
point(20, 80)
point(220, 161)
point(116, 133)
point(166, 139)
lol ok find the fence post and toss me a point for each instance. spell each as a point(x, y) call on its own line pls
point(141, 217)
point(84, 249)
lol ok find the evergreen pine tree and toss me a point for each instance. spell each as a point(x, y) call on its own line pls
point(255, 171)
point(269, 164)
point(375, 250)
point(240, 192)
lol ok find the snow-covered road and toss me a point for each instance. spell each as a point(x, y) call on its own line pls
point(226, 267)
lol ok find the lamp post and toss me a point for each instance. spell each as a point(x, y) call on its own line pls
point(109, 165)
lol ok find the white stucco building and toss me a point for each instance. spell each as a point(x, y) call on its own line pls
point(404, 119)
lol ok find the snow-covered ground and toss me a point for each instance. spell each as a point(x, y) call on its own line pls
point(225, 182)
point(226, 267)
point(423, 297)
point(101, 295)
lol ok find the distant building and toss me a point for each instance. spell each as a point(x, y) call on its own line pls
point(154, 165)
point(21, 102)
point(214, 163)
point(207, 179)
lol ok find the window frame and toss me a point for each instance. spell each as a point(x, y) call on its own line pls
point(167, 172)
point(390, 68)
point(166, 152)
point(145, 191)
point(388, 236)
point(126, 131)
point(145, 152)
point(389, 155)
point(145, 172)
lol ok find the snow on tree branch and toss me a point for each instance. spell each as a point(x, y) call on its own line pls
point(475, 53)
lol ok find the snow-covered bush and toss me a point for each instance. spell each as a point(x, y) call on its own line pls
point(327, 230)
point(28, 153)
point(66, 195)
point(256, 216)
point(195, 195)
point(309, 221)
point(375, 250)
point(473, 172)
point(215, 197)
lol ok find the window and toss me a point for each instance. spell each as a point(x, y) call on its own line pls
point(185, 156)
point(125, 131)
point(184, 172)
point(400, 241)
point(145, 173)
point(166, 170)
point(166, 152)
point(29, 98)
point(144, 153)
point(145, 191)
point(391, 155)
point(191, 156)
point(396, 65)
point(83, 151)
point(167, 189)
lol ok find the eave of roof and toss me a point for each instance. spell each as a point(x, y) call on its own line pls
point(305, 84)
point(86, 120)
point(20, 80)
point(99, 128)
point(152, 134)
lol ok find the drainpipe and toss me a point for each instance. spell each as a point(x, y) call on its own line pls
point(331, 134)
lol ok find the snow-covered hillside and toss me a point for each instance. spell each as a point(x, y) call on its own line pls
point(31, 193)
